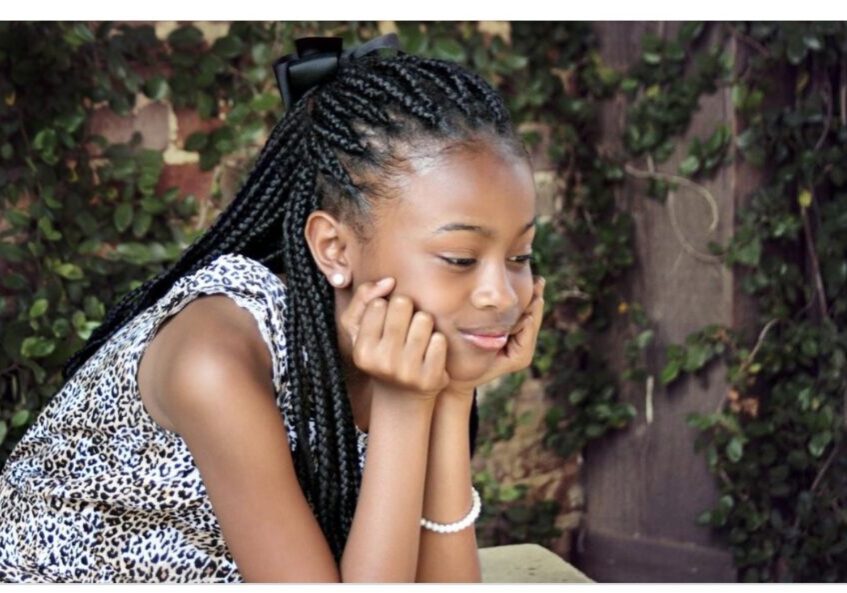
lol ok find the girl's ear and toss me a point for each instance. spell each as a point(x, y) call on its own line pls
point(333, 246)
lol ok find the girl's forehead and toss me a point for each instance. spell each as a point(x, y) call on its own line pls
point(471, 187)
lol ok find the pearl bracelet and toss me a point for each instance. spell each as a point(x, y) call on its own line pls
point(458, 525)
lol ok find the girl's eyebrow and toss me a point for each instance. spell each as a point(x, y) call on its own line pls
point(485, 231)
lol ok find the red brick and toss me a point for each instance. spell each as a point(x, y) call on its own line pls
point(188, 178)
point(151, 121)
point(189, 122)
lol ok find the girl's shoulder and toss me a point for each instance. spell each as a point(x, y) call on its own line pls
point(233, 305)
point(211, 327)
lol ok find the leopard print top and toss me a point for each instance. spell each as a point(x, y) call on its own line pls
point(97, 491)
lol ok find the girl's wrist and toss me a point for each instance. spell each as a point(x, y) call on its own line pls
point(457, 399)
point(402, 402)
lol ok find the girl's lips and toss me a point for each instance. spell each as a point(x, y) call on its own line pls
point(493, 343)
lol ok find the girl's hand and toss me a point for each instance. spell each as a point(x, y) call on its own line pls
point(395, 345)
point(518, 352)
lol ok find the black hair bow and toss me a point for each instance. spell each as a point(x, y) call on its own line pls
point(317, 59)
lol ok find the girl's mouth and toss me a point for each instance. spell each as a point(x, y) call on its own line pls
point(491, 343)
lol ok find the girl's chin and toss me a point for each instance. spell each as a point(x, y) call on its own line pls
point(467, 368)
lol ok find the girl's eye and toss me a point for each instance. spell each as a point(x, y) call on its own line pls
point(525, 259)
point(462, 263)
point(465, 263)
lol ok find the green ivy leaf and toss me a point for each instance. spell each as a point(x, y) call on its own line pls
point(629, 85)
point(185, 37)
point(196, 141)
point(61, 327)
point(38, 308)
point(45, 225)
point(156, 87)
point(141, 224)
point(228, 46)
point(265, 102)
point(14, 281)
point(11, 252)
point(238, 113)
point(735, 449)
point(69, 271)
point(94, 308)
point(509, 493)
point(20, 418)
point(136, 253)
point(515, 62)
point(45, 140)
point(260, 53)
point(651, 57)
point(153, 206)
point(594, 430)
point(670, 372)
point(209, 159)
point(187, 207)
point(819, 442)
point(123, 216)
point(696, 356)
point(205, 105)
point(701, 421)
point(37, 347)
point(413, 37)
point(796, 50)
point(71, 121)
point(17, 219)
point(78, 35)
point(210, 66)
point(644, 339)
point(449, 49)
point(577, 396)
point(813, 42)
point(87, 328)
point(689, 166)
point(689, 31)
point(750, 252)
point(86, 221)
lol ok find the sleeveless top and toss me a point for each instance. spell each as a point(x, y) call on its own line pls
point(98, 491)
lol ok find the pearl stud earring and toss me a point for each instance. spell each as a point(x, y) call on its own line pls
point(338, 279)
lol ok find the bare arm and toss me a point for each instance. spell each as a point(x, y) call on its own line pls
point(219, 398)
point(448, 557)
point(227, 415)
point(385, 535)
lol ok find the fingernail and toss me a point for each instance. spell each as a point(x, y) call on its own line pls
point(384, 282)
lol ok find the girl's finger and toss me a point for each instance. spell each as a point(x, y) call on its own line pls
point(397, 317)
point(351, 319)
point(436, 354)
point(373, 320)
point(420, 333)
point(537, 296)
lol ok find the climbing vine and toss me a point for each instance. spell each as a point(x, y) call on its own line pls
point(775, 444)
point(83, 221)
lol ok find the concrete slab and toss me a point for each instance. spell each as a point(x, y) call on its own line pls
point(526, 563)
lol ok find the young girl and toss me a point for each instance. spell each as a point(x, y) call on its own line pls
point(371, 272)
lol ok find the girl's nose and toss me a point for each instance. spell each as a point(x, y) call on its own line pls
point(495, 290)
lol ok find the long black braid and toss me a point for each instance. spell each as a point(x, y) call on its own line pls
point(340, 148)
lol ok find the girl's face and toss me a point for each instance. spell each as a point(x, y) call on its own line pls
point(456, 241)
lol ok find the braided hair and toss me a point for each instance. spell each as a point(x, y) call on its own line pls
point(341, 147)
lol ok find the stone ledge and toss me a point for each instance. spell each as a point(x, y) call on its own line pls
point(526, 563)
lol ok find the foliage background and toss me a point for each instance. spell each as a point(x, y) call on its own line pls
point(83, 220)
